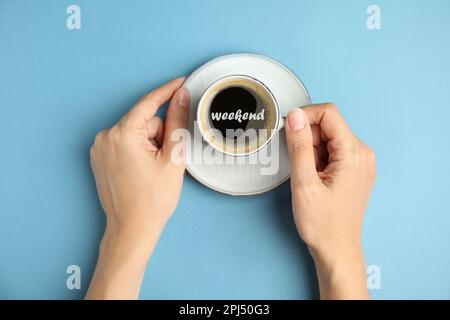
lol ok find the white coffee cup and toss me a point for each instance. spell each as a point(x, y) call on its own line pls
point(261, 125)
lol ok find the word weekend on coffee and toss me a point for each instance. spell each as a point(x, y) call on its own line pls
point(238, 116)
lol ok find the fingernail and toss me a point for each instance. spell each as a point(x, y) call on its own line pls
point(183, 97)
point(296, 119)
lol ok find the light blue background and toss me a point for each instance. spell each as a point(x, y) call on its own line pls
point(59, 87)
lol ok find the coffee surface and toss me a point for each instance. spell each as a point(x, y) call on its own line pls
point(235, 108)
point(237, 115)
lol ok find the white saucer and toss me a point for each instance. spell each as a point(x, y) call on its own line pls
point(289, 91)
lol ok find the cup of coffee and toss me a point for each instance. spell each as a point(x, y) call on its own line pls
point(238, 115)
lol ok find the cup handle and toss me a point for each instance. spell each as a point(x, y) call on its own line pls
point(281, 123)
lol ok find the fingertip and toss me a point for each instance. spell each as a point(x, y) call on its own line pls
point(296, 119)
point(147, 106)
point(180, 80)
point(181, 98)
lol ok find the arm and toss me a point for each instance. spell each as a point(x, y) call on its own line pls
point(139, 185)
point(332, 176)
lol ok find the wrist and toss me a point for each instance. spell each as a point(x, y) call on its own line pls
point(336, 254)
point(137, 239)
point(121, 266)
point(342, 273)
point(134, 228)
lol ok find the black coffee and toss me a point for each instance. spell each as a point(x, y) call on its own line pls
point(236, 108)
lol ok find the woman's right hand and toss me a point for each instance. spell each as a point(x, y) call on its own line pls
point(332, 177)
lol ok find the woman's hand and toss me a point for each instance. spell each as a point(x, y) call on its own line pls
point(332, 177)
point(139, 185)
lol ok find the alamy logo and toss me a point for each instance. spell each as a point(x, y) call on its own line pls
point(74, 279)
point(374, 19)
point(73, 21)
point(373, 277)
